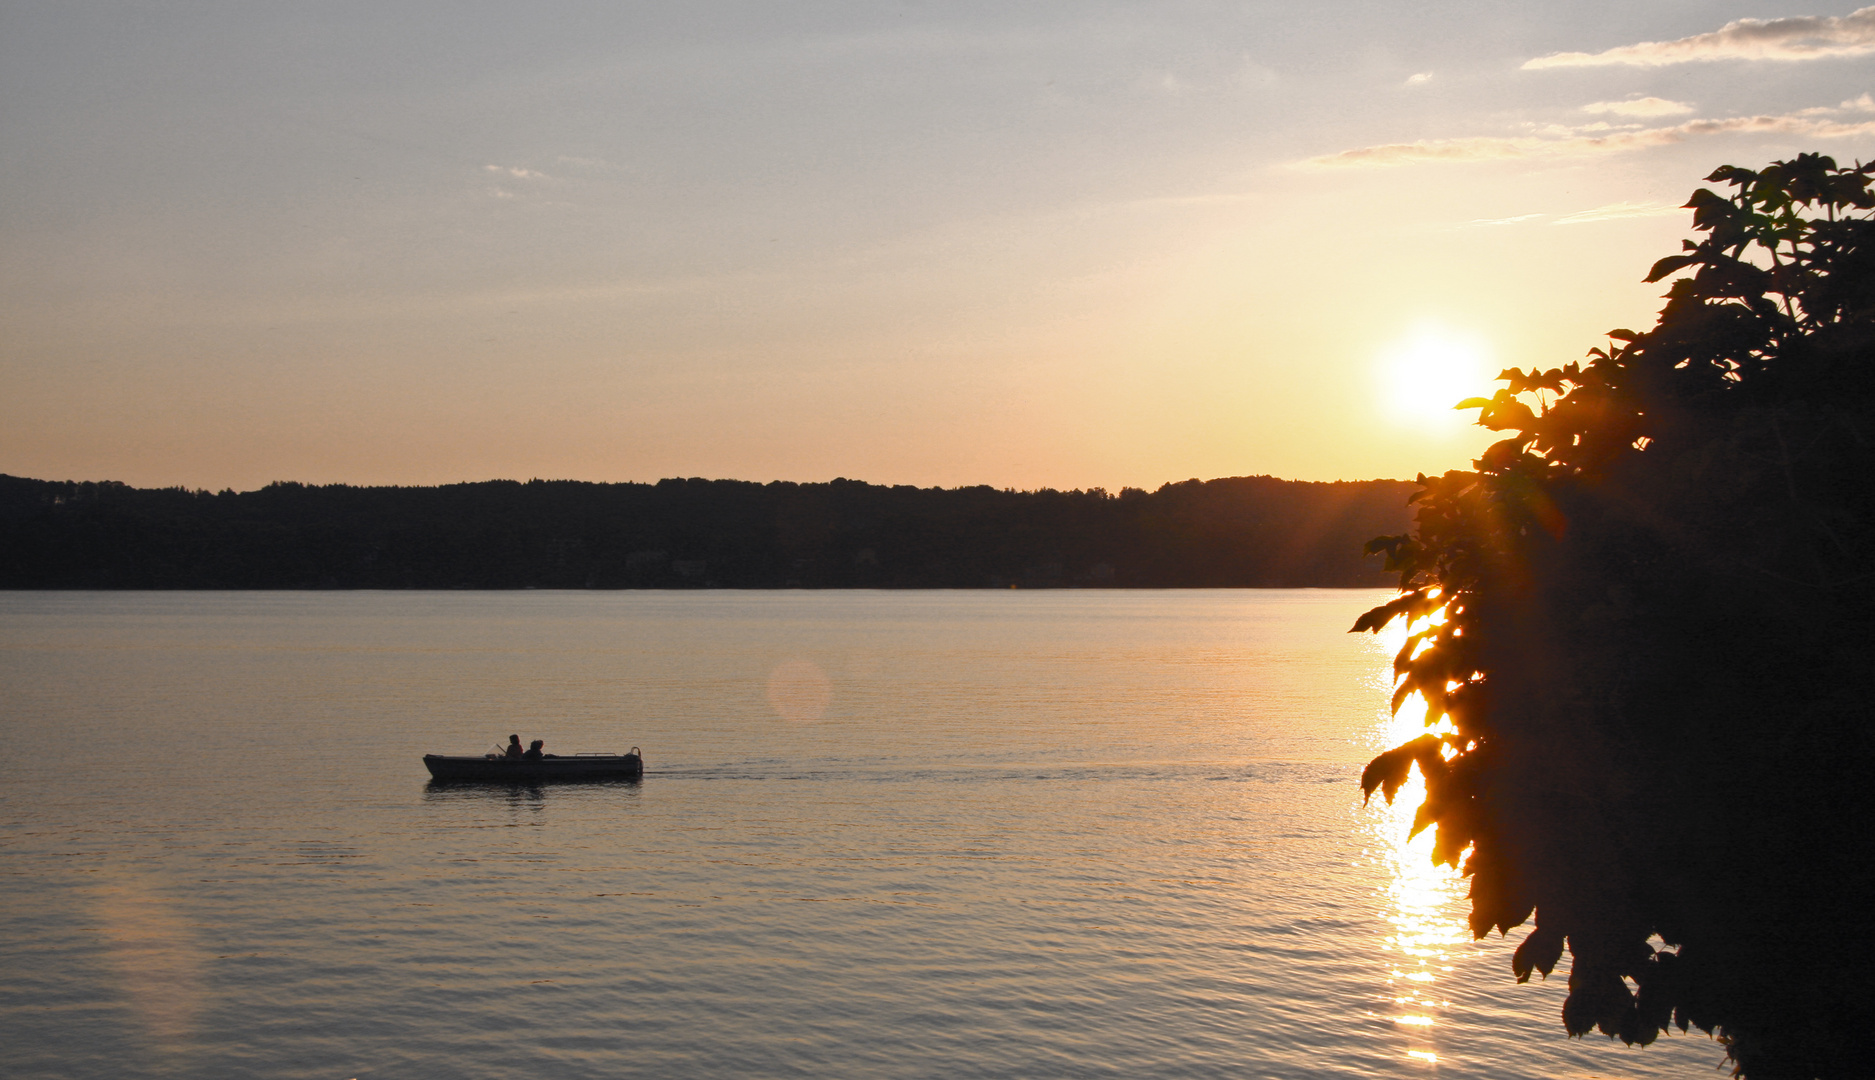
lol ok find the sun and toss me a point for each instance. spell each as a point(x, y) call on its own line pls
point(1423, 375)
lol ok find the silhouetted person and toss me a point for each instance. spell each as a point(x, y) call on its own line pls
point(514, 747)
point(533, 749)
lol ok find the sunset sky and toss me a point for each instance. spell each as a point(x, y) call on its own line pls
point(1050, 244)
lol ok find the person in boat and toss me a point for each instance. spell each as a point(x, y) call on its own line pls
point(514, 746)
point(534, 750)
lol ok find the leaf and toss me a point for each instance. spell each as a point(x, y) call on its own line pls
point(1597, 999)
point(1388, 771)
point(1497, 896)
point(1507, 413)
point(1664, 267)
point(1455, 834)
point(1426, 815)
point(1540, 950)
point(1501, 454)
point(1388, 544)
point(1634, 1030)
point(1413, 605)
point(1731, 174)
point(1660, 988)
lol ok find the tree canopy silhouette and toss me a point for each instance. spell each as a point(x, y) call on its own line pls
point(1644, 628)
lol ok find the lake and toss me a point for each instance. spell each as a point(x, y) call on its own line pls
point(880, 834)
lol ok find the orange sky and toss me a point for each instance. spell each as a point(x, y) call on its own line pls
point(1081, 246)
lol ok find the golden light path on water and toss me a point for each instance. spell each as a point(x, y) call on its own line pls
point(1421, 901)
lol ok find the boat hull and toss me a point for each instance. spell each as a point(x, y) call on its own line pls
point(447, 768)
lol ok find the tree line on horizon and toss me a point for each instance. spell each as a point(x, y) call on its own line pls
point(1253, 531)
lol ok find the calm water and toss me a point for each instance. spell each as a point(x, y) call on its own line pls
point(961, 834)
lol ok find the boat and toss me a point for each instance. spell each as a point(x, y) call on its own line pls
point(500, 769)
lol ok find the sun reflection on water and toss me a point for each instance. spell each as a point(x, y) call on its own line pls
point(1420, 901)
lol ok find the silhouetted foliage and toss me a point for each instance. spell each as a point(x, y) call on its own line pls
point(1656, 642)
point(1243, 531)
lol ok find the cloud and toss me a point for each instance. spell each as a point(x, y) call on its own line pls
point(1804, 37)
point(1476, 223)
point(1420, 79)
point(516, 172)
point(1584, 142)
point(1865, 103)
point(1647, 106)
point(1614, 211)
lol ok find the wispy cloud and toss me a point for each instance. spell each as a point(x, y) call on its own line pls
point(1647, 106)
point(1479, 223)
point(1610, 212)
point(1556, 142)
point(1804, 37)
point(1419, 79)
point(1614, 211)
point(516, 171)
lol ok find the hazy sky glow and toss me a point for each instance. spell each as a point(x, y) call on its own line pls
point(1045, 244)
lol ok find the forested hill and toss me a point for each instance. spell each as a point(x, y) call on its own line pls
point(1241, 531)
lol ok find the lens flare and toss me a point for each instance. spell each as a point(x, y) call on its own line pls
point(798, 690)
point(160, 962)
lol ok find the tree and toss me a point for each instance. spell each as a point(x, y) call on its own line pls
point(1644, 627)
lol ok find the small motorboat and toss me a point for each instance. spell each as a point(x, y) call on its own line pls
point(500, 769)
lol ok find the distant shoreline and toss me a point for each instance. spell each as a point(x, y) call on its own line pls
point(1236, 532)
